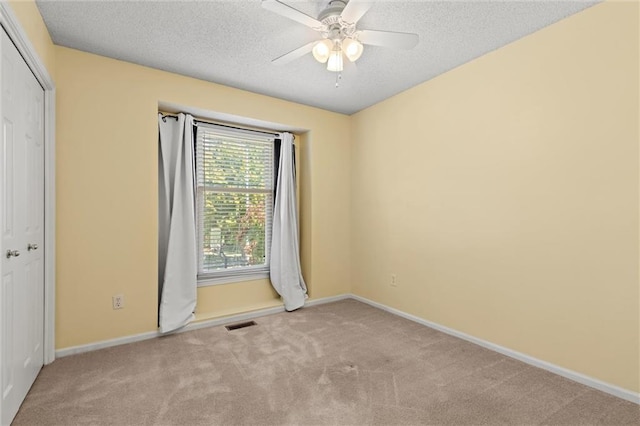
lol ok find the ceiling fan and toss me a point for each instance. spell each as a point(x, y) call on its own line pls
point(337, 27)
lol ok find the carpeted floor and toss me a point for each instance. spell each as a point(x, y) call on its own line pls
point(340, 363)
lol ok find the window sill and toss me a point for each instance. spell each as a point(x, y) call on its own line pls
point(209, 281)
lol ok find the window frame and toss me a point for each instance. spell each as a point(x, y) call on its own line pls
point(244, 273)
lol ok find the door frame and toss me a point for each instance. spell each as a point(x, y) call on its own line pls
point(18, 36)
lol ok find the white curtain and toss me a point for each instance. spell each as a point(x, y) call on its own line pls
point(286, 273)
point(177, 258)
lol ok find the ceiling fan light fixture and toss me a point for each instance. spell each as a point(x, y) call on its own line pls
point(335, 62)
point(352, 49)
point(322, 50)
point(337, 24)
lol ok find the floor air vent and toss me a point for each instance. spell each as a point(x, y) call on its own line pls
point(240, 325)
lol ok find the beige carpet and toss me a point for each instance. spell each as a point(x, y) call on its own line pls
point(340, 363)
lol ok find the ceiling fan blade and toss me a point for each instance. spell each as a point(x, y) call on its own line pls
point(294, 54)
point(388, 39)
point(291, 13)
point(354, 10)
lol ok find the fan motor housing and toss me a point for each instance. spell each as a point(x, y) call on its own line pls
point(331, 15)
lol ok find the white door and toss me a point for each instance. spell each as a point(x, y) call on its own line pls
point(22, 221)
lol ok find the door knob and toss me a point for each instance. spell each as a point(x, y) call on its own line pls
point(32, 247)
point(12, 253)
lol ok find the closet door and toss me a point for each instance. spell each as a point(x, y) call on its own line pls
point(22, 221)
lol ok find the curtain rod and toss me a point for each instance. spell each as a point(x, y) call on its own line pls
point(236, 128)
point(164, 116)
point(197, 120)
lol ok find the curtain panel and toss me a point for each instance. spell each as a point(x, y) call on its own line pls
point(177, 256)
point(285, 270)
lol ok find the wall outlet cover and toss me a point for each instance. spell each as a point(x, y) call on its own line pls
point(118, 301)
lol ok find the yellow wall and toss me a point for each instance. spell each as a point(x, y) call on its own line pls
point(31, 21)
point(504, 195)
point(107, 136)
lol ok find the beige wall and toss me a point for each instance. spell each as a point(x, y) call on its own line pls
point(107, 135)
point(504, 195)
point(31, 21)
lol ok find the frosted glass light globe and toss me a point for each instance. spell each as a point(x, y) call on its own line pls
point(352, 49)
point(335, 63)
point(321, 51)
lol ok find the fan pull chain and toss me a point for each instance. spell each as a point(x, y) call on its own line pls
point(338, 78)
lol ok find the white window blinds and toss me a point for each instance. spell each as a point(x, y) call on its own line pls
point(235, 189)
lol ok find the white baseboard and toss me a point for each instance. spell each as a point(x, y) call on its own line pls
point(330, 299)
point(72, 350)
point(561, 371)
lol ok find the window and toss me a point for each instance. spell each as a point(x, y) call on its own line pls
point(235, 191)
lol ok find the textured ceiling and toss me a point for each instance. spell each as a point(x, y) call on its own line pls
point(233, 42)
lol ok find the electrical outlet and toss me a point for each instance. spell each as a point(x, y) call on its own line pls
point(118, 301)
point(394, 280)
